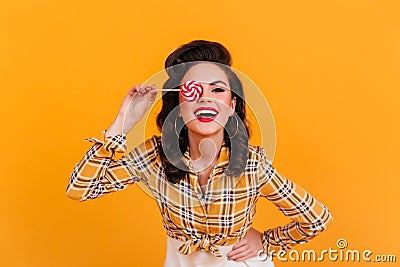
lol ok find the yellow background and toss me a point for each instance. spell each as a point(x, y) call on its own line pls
point(330, 72)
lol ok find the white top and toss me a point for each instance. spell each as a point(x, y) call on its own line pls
point(201, 258)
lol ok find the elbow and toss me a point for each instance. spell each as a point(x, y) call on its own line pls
point(329, 216)
point(325, 220)
point(75, 195)
point(76, 190)
point(318, 224)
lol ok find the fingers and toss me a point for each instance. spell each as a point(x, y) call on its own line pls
point(241, 243)
point(133, 90)
point(153, 90)
point(142, 90)
point(241, 251)
point(243, 256)
point(238, 251)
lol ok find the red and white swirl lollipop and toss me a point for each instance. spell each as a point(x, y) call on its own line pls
point(191, 90)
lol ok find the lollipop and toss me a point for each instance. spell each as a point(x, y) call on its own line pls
point(190, 90)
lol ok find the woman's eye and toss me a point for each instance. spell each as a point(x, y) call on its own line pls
point(218, 89)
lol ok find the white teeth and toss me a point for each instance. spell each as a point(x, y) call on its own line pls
point(205, 113)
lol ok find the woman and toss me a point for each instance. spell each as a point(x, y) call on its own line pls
point(203, 173)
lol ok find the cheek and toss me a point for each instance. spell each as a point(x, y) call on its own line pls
point(225, 104)
point(186, 110)
point(227, 99)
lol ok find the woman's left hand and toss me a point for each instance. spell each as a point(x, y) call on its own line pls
point(248, 247)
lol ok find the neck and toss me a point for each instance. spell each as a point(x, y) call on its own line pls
point(204, 150)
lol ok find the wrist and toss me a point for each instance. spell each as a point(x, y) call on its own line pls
point(114, 129)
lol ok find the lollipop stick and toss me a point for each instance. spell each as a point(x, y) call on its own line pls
point(167, 89)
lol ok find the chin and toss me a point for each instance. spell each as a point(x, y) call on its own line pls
point(207, 129)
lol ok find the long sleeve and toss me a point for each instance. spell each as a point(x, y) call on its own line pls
point(309, 216)
point(99, 172)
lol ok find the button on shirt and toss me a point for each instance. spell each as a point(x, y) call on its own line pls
point(221, 215)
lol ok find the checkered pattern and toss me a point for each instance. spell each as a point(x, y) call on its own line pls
point(221, 216)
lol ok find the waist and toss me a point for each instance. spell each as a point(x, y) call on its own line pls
point(223, 245)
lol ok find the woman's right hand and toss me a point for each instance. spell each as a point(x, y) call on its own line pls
point(135, 104)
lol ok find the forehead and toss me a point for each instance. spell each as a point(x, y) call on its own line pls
point(206, 72)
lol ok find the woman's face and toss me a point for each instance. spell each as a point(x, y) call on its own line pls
point(209, 113)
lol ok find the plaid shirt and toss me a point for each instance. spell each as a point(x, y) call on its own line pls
point(221, 216)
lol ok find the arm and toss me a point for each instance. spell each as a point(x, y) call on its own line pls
point(309, 216)
point(99, 172)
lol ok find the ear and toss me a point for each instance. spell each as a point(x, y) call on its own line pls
point(233, 105)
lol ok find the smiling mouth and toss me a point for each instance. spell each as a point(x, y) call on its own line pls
point(205, 115)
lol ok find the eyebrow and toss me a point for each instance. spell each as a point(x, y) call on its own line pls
point(215, 82)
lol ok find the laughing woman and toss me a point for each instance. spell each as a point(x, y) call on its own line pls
point(204, 175)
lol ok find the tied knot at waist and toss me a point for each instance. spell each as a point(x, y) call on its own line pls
point(205, 243)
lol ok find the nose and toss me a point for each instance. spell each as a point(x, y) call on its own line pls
point(205, 95)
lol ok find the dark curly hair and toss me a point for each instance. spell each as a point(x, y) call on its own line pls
point(191, 54)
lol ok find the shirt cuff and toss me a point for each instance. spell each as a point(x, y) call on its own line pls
point(108, 145)
point(271, 247)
